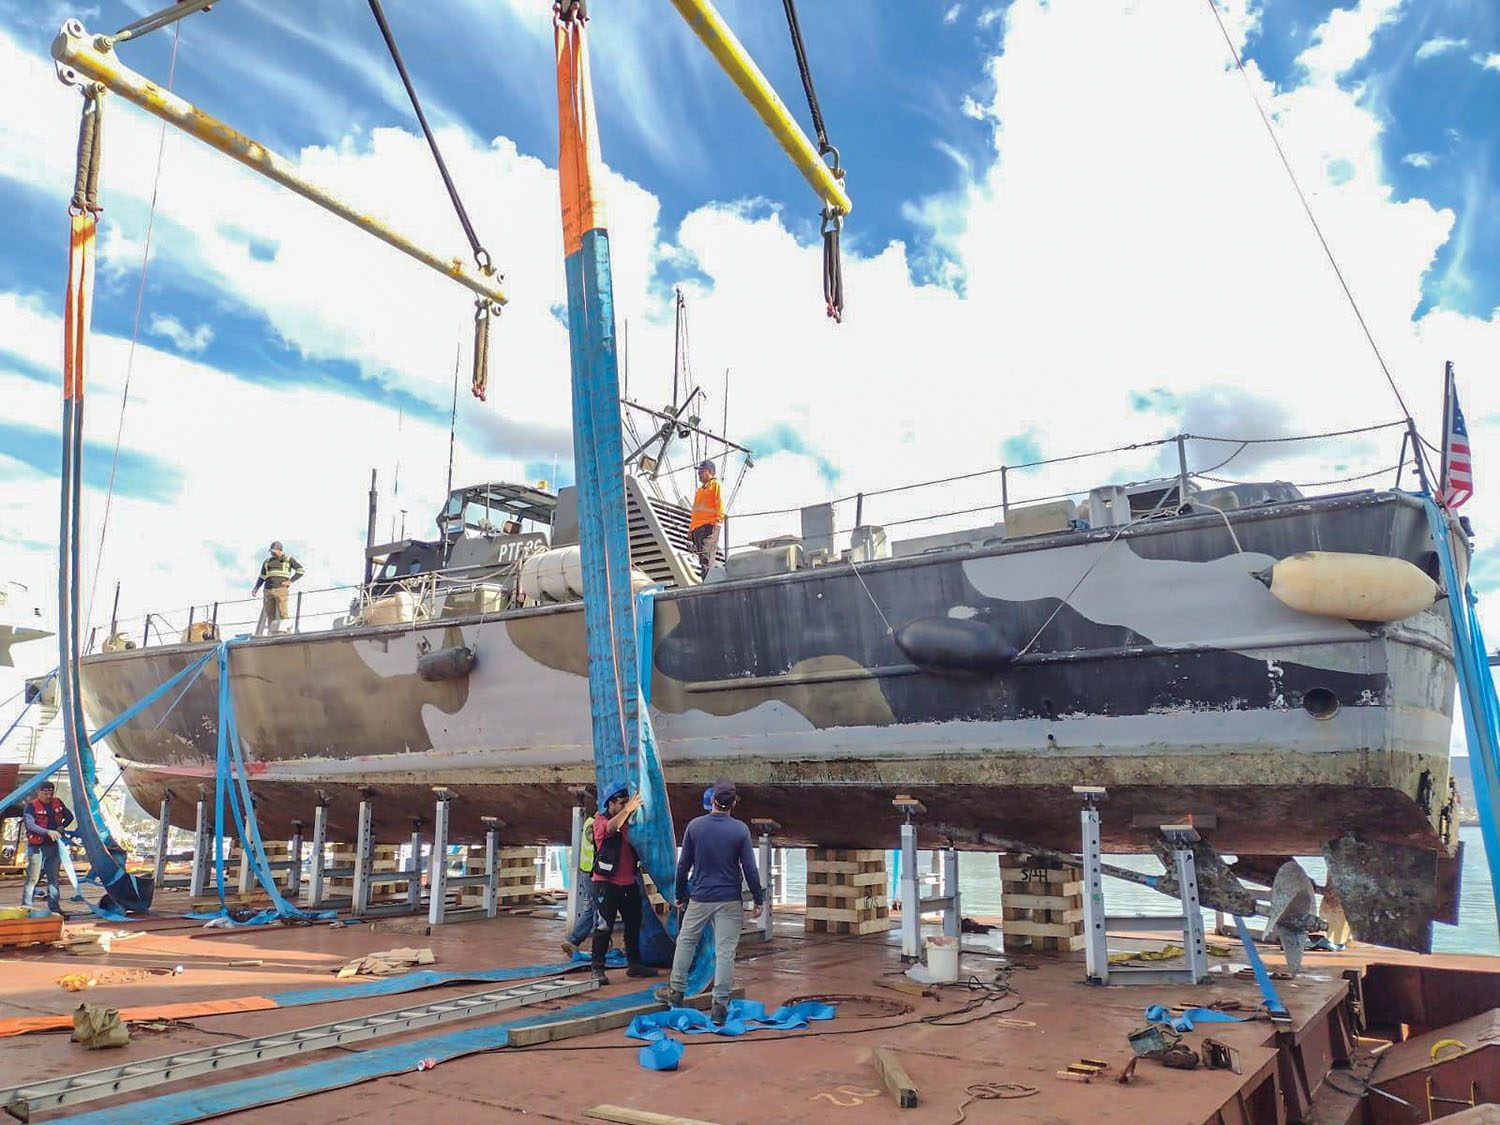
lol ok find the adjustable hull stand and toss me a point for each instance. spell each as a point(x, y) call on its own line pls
point(1097, 922)
point(319, 872)
point(575, 849)
point(438, 912)
point(200, 861)
point(912, 903)
point(770, 878)
point(367, 878)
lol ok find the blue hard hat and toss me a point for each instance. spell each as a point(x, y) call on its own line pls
point(708, 799)
point(610, 792)
point(709, 465)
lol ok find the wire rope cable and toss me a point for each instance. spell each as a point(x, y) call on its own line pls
point(135, 327)
point(1312, 218)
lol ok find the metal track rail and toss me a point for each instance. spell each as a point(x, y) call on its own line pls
point(55, 1093)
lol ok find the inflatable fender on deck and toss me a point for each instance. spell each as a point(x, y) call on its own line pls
point(1354, 587)
point(446, 663)
point(948, 645)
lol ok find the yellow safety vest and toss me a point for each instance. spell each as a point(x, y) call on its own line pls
point(586, 848)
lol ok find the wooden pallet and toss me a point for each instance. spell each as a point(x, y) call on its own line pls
point(30, 931)
point(1041, 905)
point(847, 891)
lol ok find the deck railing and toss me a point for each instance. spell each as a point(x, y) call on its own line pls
point(952, 503)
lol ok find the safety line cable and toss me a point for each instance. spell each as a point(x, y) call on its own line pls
point(1307, 207)
point(135, 331)
point(481, 255)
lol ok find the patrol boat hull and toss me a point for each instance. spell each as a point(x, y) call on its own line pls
point(1159, 667)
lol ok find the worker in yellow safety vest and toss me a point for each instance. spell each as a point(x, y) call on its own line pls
point(277, 574)
point(708, 516)
point(584, 925)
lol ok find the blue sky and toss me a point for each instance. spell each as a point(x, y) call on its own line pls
point(1069, 231)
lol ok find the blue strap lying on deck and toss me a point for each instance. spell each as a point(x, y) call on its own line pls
point(341, 1070)
point(428, 978)
point(1158, 1013)
point(743, 1016)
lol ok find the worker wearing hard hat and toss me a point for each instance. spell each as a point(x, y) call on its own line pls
point(277, 574)
point(708, 516)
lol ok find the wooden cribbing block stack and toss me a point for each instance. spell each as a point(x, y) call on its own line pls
point(846, 891)
point(385, 858)
point(1041, 905)
point(517, 875)
point(654, 896)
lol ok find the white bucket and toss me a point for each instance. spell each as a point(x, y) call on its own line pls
point(942, 959)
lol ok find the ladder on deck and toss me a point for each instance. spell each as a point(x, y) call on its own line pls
point(54, 1093)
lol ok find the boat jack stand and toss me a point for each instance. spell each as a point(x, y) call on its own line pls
point(1182, 837)
point(196, 881)
point(292, 865)
point(200, 875)
point(912, 902)
point(437, 906)
point(313, 898)
point(576, 883)
point(366, 877)
point(770, 878)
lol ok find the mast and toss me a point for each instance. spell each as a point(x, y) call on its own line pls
point(676, 346)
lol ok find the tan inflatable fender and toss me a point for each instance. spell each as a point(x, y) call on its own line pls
point(1354, 587)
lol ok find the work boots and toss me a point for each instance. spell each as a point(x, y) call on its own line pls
point(639, 970)
point(719, 1014)
point(600, 951)
point(667, 996)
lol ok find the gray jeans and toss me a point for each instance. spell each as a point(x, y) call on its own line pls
point(727, 919)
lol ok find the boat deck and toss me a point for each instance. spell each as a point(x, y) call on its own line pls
point(822, 1075)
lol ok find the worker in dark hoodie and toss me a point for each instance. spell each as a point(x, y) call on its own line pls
point(716, 850)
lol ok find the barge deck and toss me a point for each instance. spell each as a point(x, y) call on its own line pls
point(1051, 1019)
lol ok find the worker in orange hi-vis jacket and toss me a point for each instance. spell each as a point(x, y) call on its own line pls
point(708, 516)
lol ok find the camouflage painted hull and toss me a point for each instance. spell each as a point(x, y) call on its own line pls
point(1169, 675)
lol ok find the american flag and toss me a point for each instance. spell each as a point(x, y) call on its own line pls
point(1458, 469)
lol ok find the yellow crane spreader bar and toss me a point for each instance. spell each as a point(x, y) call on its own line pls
point(92, 58)
point(722, 43)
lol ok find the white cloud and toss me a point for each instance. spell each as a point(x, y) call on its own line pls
point(1344, 38)
point(1490, 61)
point(1419, 159)
point(1439, 44)
point(192, 342)
point(952, 14)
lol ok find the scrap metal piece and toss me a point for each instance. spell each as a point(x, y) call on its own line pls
point(1220, 1056)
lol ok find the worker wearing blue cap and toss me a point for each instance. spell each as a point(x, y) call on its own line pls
point(708, 516)
point(716, 850)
